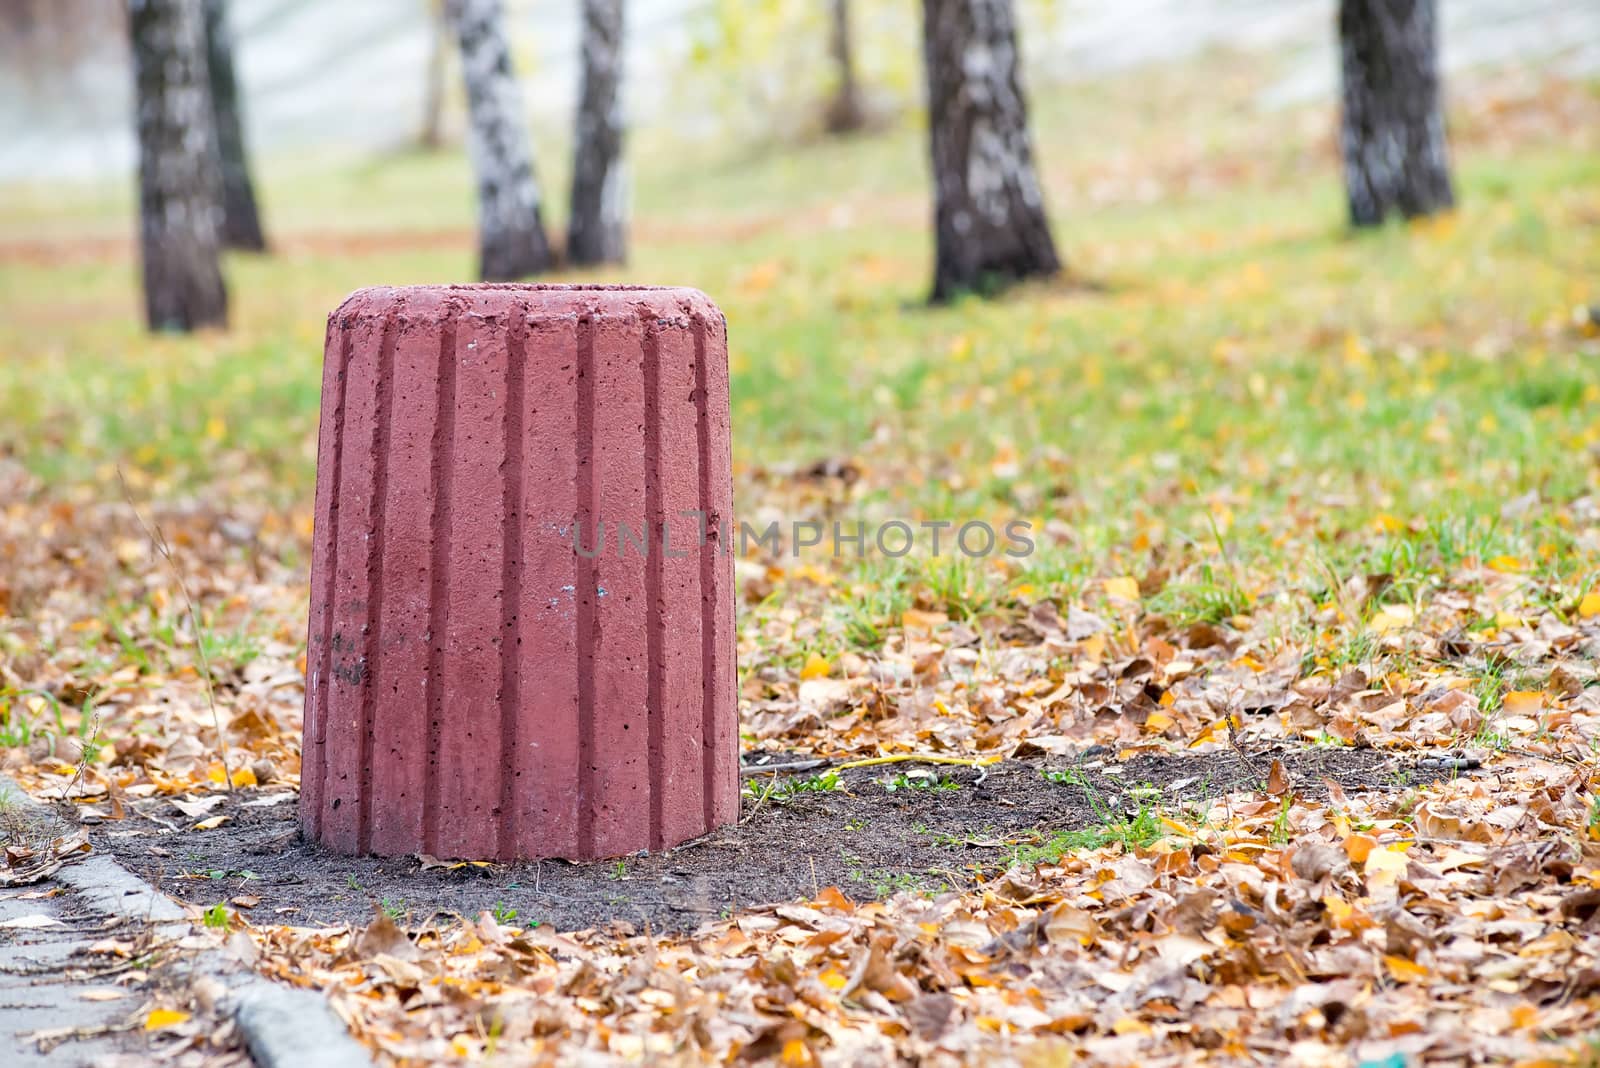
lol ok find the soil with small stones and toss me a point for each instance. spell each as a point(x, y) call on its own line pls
point(961, 825)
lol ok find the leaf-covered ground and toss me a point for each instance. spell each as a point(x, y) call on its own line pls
point(1288, 486)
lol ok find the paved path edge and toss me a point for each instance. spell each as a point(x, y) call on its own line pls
point(282, 1026)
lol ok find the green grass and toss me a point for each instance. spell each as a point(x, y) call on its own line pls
point(1111, 825)
point(924, 781)
point(1229, 391)
point(1140, 831)
point(782, 791)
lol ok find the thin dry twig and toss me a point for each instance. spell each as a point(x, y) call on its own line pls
point(159, 540)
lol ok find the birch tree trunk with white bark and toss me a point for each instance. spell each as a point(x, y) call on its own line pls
point(511, 238)
point(180, 214)
point(990, 226)
point(1392, 128)
point(598, 229)
point(241, 219)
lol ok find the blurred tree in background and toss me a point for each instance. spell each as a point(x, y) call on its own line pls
point(845, 113)
point(597, 229)
point(430, 135)
point(179, 195)
point(511, 238)
point(772, 69)
point(1392, 130)
point(241, 220)
point(989, 220)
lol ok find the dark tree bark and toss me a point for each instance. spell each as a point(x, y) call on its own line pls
point(1392, 130)
point(511, 238)
point(597, 232)
point(179, 194)
point(989, 220)
point(845, 114)
point(241, 222)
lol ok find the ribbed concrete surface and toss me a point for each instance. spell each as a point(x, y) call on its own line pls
point(476, 687)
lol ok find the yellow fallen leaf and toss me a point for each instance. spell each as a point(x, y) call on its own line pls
point(915, 619)
point(1157, 722)
point(1404, 971)
point(1391, 617)
point(1385, 864)
point(211, 824)
point(164, 1018)
point(1589, 607)
point(1523, 702)
point(1507, 564)
point(241, 776)
point(817, 667)
point(1388, 524)
point(834, 979)
point(796, 1054)
point(1123, 587)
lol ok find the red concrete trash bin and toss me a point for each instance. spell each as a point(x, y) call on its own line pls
point(475, 685)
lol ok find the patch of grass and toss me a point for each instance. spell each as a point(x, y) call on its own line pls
point(1280, 833)
point(783, 790)
point(883, 883)
point(217, 916)
point(1067, 777)
point(921, 779)
point(1140, 831)
point(504, 915)
point(1208, 600)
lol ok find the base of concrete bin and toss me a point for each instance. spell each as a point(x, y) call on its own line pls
point(476, 686)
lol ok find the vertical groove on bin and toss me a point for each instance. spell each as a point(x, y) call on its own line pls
point(316, 638)
point(350, 586)
point(677, 466)
point(588, 582)
point(547, 758)
point(400, 674)
point(708, 574)
point(444, 447)
point(377, 515)
point(655, 552)
point(331, 554)
point(727, 763)
point(511, 582)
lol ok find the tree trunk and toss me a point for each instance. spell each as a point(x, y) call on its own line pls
point(597, 232)
point(511, 237)
point(431, 135)
point(179, 194)
point(845, 113)
point(1392, 133)
point(989, 219)
point(241, 222)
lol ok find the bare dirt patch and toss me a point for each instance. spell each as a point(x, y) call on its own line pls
point(938, 828)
